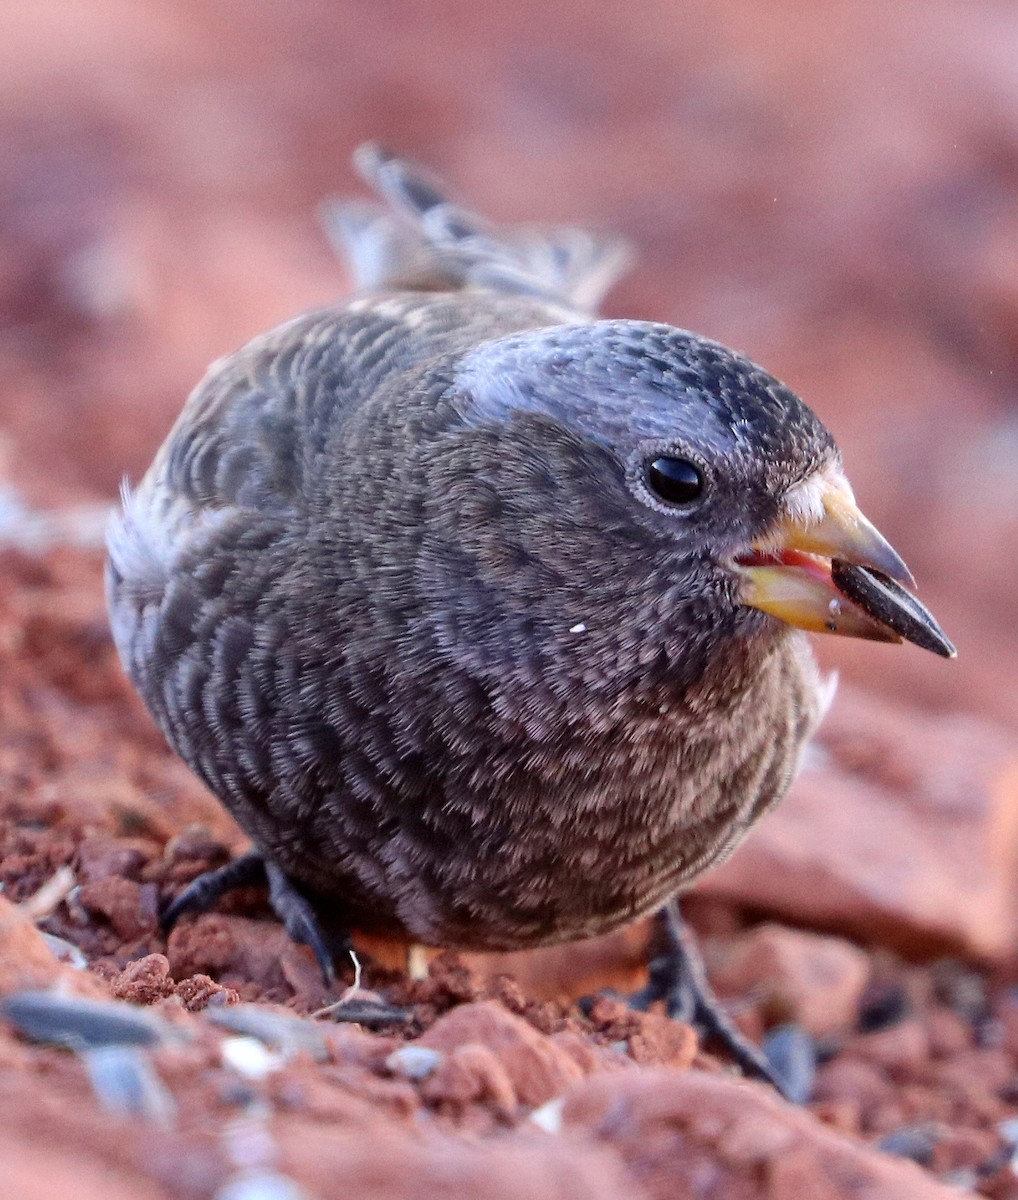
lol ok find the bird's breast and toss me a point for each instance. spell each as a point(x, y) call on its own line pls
point(594, 821)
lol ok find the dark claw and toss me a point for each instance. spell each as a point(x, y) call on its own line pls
point(678, 977)
point(288, 903)
point(202, 893)
point(667, 982)
point(301, 922)
point(792, 1055)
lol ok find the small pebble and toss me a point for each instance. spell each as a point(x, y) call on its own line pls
point(990, 1034)
point(261, 1185)
point(881, 1007)
point(73, 1021)
point(549, 1116)
point(288, 1034)
point(237, 1093)
point(370, 1012)
point(964, 1179)
point(65, 951)
point(914, 1142)
point(248, 1141)
point(126, 1084)
point(413, 1062)
point(961, 988)
point(249, 1057)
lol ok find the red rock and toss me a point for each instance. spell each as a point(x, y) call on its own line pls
point(887, 1118)
point(199, 991)
point(748, 1018)
point(453, 977)
point(842, 1115)
point(948, 1032)
point(131, 908)
point(43, 1173)
point(25, 959)
point(990, 1065)
point(973, 1083)
point(588, 1058)
point(145, 981)
point(1001, 1185)
point(395, 1098)
point(1006, 1013)
point(350, 1045)
point(614, 1019)
point(800, 1173)
point(960, 1148)
point(795, 976)
point(27, 962)
point(900, 1049)
point(850, 1081)
point(537, 1067)
point(230, 948)
point(904, 813)
point(318, 1097)
point(195, 843)
point(382, 1163)
point(304, 977)
point(101, 857)
point(659, 1041)
point(927, 1102)
point(471, 1074)
point(617, 960)
point(690, 1134)
point(207, 945)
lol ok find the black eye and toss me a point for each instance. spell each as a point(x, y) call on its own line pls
point(674, 480)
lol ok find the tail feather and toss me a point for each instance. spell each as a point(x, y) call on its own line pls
point(422, 239)
point(377, 248)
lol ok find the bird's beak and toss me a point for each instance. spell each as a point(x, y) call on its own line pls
point(788, 573)
point(841, 532)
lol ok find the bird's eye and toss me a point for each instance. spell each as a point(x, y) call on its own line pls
point(674, 480)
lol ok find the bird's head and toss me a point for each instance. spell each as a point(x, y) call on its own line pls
point(695, 469)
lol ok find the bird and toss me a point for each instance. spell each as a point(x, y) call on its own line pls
point(483, 615)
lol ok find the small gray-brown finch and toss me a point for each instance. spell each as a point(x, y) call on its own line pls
point(483, 616)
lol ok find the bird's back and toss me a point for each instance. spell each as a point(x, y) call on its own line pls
point(434, 278)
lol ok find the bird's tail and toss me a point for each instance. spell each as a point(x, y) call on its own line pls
point(421, 239)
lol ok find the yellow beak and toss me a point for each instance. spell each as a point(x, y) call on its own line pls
point(788, 572)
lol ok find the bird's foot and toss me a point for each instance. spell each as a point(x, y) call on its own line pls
point(678, 977)
point(201, 893)
point(289, 904)
point(301, 922)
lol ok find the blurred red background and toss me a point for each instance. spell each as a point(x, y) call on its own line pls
point(829, 186)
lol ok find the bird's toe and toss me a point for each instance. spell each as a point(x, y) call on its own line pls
point(202, 893)
point(301, 921)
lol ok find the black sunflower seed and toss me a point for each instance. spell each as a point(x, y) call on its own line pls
point(889, 603)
